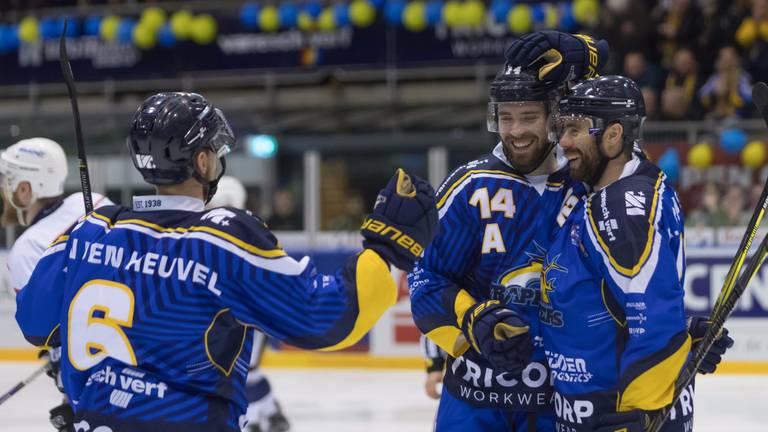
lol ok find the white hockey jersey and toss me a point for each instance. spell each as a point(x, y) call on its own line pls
point(46, 227)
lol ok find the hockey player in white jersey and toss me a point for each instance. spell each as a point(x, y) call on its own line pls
point(264, 413)
point(32, 175)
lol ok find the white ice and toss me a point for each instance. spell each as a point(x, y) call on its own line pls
point(317, 400)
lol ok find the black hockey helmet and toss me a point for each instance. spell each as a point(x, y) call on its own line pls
point(169, 129)
point(606, 100)
point(515, 84)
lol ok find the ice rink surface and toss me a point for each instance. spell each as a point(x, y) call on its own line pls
point(344, 400)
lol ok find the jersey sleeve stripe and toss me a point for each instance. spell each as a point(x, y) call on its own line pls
point(652, 219)
point(58, 247)
point(450, 339)
point(225, 370)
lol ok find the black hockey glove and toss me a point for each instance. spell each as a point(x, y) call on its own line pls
point(404, 221)
point(63, 418)
point(630, 421)
point(54, 365)
point(499, 335)
point(558, 56)
point(697, 328)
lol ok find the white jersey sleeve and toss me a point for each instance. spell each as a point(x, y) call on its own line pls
point(29, 247)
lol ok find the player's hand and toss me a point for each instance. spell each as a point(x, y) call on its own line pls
point(697, 328)
point(430, 385)
point(404, 220)
point(630, 421)
point(53, 356)
point(558, 56)
point(499, 335)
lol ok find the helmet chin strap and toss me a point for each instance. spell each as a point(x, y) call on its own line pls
point(20, 217)
point(210, 186)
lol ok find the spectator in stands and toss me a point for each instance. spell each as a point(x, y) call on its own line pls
point(728, 92)
point(285, 216)
point(708, 213)
point(719, 19)
point(678, 25)
point(734, 202)
point(627, 24)
point(678, 98)
point(647, 76)
point(752, 37)
point(352, 218)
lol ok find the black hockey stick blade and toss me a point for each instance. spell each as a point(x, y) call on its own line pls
point(69, 80)
point(760, 99)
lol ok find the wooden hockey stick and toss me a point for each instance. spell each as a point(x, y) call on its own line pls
point(735, 283)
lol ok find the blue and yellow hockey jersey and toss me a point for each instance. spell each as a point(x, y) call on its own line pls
point(614, 274)
point(155, 308)
point(495, 226)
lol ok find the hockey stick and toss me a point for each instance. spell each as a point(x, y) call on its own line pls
point(735, 283)
point(69, 80)
point(24, 383)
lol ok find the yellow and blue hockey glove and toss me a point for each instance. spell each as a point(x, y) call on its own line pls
point(404, 220)
point(558, 56)
point(697, 328)
point(629, 421)
point(500, 335)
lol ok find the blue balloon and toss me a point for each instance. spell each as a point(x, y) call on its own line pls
point(500, 10)
point(378, 4)
point(669, 162)
point(92, 25)
point(538, 13)
point(567, 20)
point(125, 30)
point(73, 26)
point(12, 37)
point(314, 9)
point(288, 15)
point(49, 28)
point(249, 16)
point(434, 11)
point(166, 37)
point(4, 36)
point(733, 140)
point(393, 11)
point(341, 13)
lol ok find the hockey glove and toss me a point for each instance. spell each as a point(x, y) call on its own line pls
point(404, 221)
point(558, 56)
point(697, 328)
point(62, 418)
point(630, 421)
point(499, 335)
point(54, 365)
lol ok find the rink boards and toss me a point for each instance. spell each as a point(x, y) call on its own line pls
point(394, 341)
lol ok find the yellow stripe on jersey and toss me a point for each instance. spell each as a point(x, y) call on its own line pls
point(272, 253)
point(47, 344)
point(629, 272)
point(225, 370)
point(450, 189)
point(461, 304)
point(450, 339)
point(376, 292)
point(655, 388)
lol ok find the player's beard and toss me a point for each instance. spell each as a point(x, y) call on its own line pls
point(585, 164)
point(525, 152)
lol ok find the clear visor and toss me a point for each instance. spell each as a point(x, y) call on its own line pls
point(500, 113)
point(574, 124)
point(223, 140)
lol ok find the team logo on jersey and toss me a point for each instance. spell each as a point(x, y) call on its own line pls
point(520, 285)
point(635, 202)
point(547, 314)
point(219, 216)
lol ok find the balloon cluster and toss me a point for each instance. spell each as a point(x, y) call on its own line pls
point(310, 16)
point(733, 141)
point(154, 26)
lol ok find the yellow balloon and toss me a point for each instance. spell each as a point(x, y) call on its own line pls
point(753, 154)
point(520, 19)
point(204, 29)
point(29, 30)
point(181, 24)
point(586, 11)
point(153, 18)
point(327, 20)
point(552, 17)
point(700, 155)
point(746, 35)
point(414, 16)
point(109, 26)
point(473, 13)
point(362, 13)
point(763, 30)
point(144, 36)
point(269, 19)
point(452, 11)
point(305, 22)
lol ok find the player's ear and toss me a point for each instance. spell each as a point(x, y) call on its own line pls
point(612, 138)
point(23, 194)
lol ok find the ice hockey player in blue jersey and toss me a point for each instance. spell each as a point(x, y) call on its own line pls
point(475, 292)
point(614, 273)
point(155, 305)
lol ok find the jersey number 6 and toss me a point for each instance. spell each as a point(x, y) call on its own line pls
point(97, 315)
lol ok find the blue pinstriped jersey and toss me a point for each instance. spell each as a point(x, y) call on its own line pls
point(495, 226)
point(155, 310)
point(614, 273)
